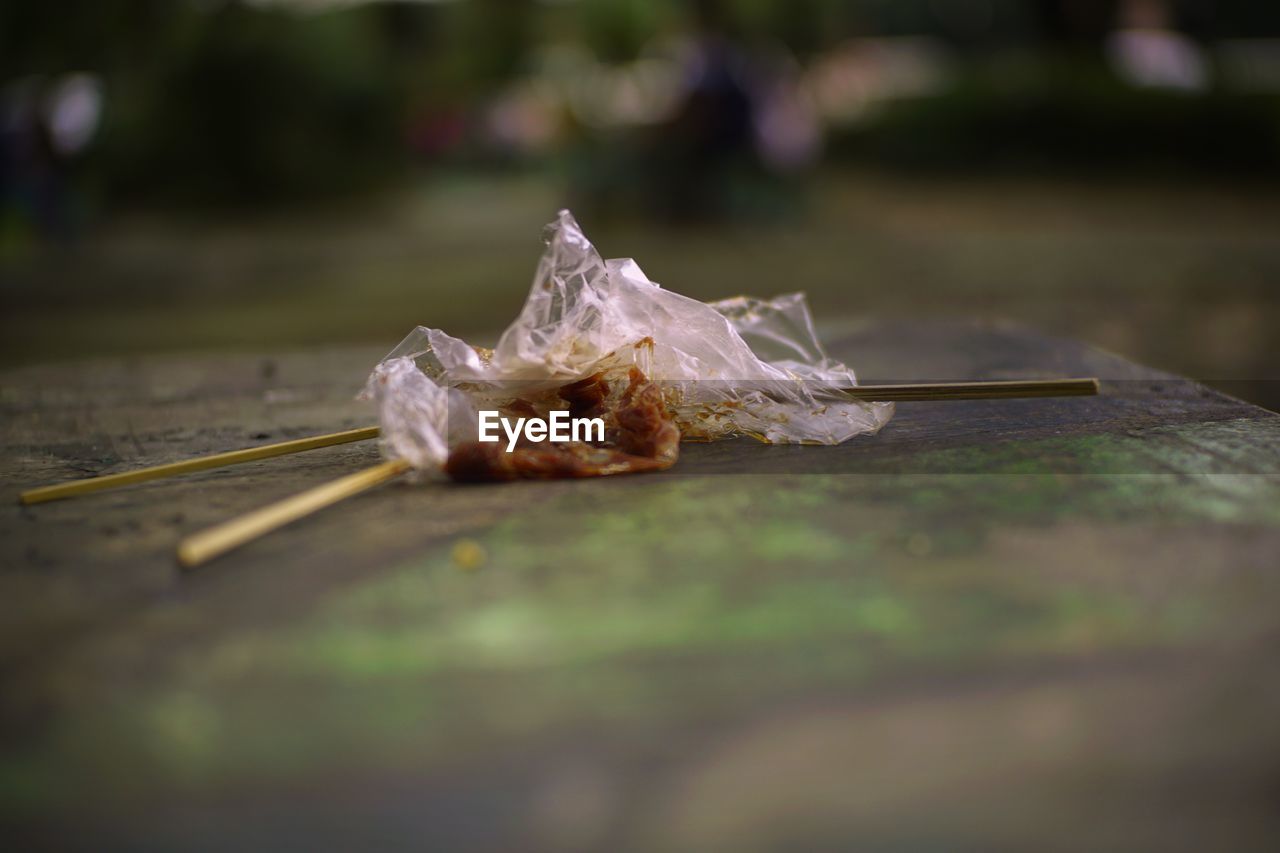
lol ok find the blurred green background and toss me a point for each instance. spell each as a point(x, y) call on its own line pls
point(266, 175)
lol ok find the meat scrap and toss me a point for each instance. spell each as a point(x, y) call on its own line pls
point(646, 440)
point(645, 428)
point(586, 397)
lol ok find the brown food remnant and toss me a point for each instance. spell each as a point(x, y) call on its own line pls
point(474, 462)
point(645, 427)
point(521, 409)
point(586, 396)
point(647, 440)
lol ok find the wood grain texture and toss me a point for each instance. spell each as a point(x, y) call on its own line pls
point(1043, 623)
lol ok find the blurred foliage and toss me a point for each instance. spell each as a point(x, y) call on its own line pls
point(264, 105)
point(618, 30)
point(223, 102)
point(1073, 118)
point(214, 101)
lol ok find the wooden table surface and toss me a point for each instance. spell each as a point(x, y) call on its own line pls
point(1047, 623)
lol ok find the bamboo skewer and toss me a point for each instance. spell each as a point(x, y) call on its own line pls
point(1001, 390)
point(204, 546)
point(883, 393)
point(203, 463)
point(208, 544)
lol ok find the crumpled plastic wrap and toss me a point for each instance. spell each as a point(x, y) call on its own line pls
point(741, 366)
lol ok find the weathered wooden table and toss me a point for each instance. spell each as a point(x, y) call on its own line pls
point(1045, 623)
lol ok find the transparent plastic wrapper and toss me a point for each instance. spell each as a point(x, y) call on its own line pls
point(741, 366)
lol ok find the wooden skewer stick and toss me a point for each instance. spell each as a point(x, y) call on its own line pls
point(1003, 390)
point(881, 393)
point(204, 546)
point(203, 463)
